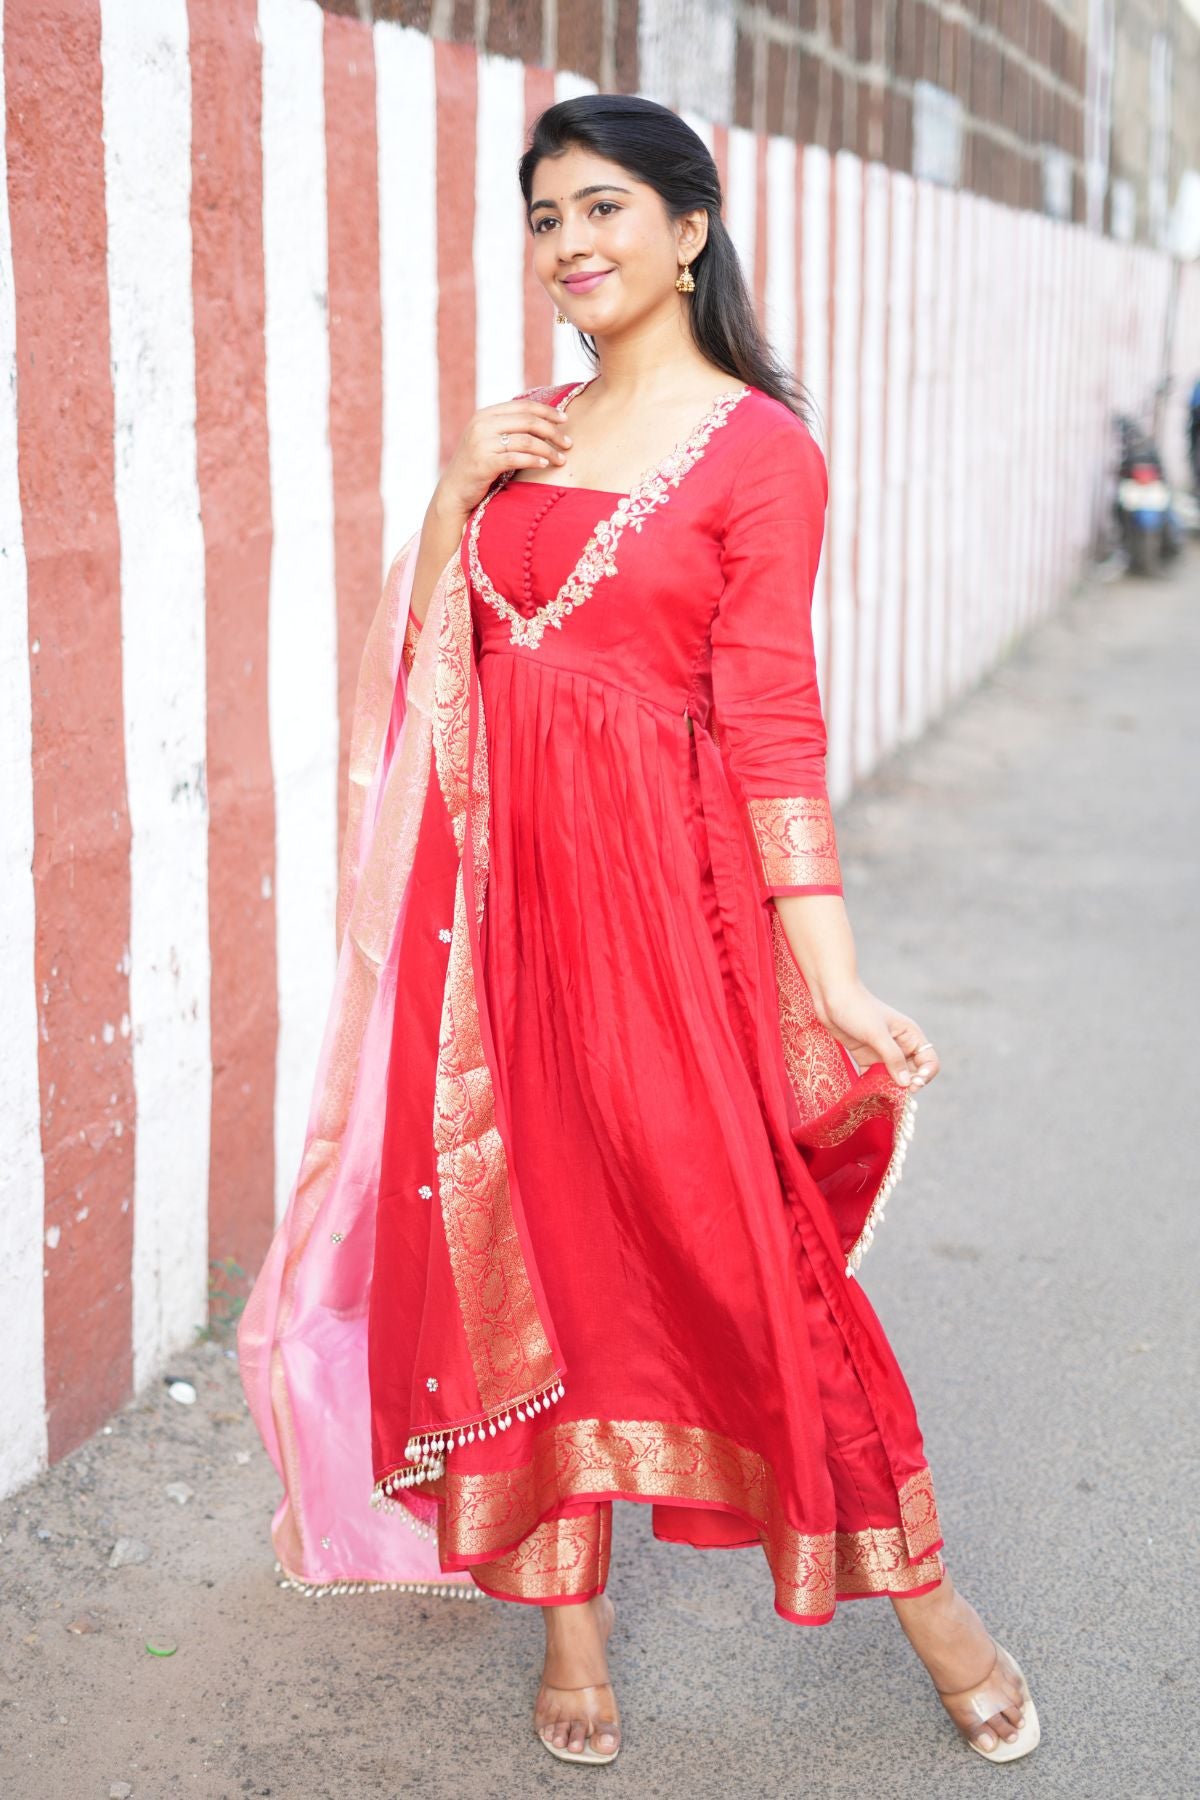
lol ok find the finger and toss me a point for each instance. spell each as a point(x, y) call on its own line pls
point(543, 423)
point(888, 1051)
point(919, 1053)
point(524, 443)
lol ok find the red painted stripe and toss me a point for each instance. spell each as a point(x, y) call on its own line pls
point(355, 355)
point(81, 818)
point(760, 227)
point(720, 154)
point(235, 511)
point(539, 310)
point(455, 77)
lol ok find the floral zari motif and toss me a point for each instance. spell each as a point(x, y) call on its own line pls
point(654, 1459)
point(796, 841)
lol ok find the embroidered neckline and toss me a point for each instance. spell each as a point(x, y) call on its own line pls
point(598, 557)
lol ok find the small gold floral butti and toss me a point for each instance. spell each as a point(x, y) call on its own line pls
point(796, 841)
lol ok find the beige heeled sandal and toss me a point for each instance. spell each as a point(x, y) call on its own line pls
point(593, 1714)
point(589, 1754)
point(987, 1698)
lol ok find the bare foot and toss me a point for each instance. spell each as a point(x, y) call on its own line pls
point(963, 1663)
point(575, 1703)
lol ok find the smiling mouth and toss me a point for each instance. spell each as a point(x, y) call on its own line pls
point(581, 281)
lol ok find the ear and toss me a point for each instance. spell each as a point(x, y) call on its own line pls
point(691, 231)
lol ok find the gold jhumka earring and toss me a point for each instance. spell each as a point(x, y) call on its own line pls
point(684, 282)
point(560, 318)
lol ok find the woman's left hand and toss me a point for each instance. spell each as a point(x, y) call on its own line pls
point(872, 1031)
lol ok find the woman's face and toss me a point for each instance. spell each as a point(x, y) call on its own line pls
point(619, 231)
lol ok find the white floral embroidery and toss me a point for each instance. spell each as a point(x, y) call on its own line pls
point(598, 558)
point(444, 934)
point(425, 1191)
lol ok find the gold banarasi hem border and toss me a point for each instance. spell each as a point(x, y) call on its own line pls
point(483, 1516)
point(560, 1559)
point(796, 842)
point(317, 1590)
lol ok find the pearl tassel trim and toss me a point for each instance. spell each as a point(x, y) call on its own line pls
point(891, 1175)
point(316, 1590)
point(429, 1449)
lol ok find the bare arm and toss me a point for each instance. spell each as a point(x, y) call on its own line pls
point(817, 928)
point(441, 534)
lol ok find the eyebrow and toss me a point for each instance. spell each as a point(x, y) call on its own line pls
point(599, 187)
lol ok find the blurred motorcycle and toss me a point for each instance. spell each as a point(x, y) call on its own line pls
point(1147, 525)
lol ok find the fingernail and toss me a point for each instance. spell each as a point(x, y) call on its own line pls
point(567, 440)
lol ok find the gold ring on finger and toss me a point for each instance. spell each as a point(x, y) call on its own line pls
point(504, 441)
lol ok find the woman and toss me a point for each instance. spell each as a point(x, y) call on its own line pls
point(600, 1192)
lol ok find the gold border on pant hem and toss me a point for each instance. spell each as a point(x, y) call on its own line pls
point(483, 1517)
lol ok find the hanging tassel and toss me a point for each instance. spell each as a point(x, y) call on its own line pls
point(891, 1175)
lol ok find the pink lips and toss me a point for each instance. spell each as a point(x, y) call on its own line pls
point(583, 284)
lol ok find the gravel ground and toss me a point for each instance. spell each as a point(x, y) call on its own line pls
point(1023, 881)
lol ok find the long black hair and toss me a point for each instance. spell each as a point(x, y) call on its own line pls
point(658, 148)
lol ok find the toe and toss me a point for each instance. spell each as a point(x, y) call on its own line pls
point(1002, 1726)
point(578, 1735)
point(606, 1736)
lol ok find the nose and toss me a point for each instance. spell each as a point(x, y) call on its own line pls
point(574, 241)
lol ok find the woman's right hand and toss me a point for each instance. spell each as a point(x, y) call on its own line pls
point(537, 436)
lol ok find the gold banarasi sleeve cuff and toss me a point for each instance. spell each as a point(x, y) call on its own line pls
point(796, 842)
point(408, 649)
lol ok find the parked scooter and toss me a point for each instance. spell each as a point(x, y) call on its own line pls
point(1147, 525)
point(1193, 438)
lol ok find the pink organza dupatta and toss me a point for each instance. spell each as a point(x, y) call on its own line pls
point(302, 1336)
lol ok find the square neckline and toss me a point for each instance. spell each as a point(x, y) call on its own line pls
point(573, 487)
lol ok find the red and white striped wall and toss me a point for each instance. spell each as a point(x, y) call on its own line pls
point(257, 267)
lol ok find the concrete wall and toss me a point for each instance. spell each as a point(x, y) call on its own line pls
point(258, 263)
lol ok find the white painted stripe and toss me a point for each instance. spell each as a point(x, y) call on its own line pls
point(896, 461)
point(501, 240)
point(780, 323)
point(898, 458)
point(570, 363)
point(302, 671)
point(843, 475)
point(147, 171)
point(978, 429)
point(741, 198)
point(939, 451)
point(406, 127)
point(871, 408)
point(814, 228)
point(23, 1443)
point(916, 559)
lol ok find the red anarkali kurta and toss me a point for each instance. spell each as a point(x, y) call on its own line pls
point(655, 766)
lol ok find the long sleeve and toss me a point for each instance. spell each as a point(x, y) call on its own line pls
point(769, 721)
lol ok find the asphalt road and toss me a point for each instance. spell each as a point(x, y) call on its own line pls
point(1023, 881)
